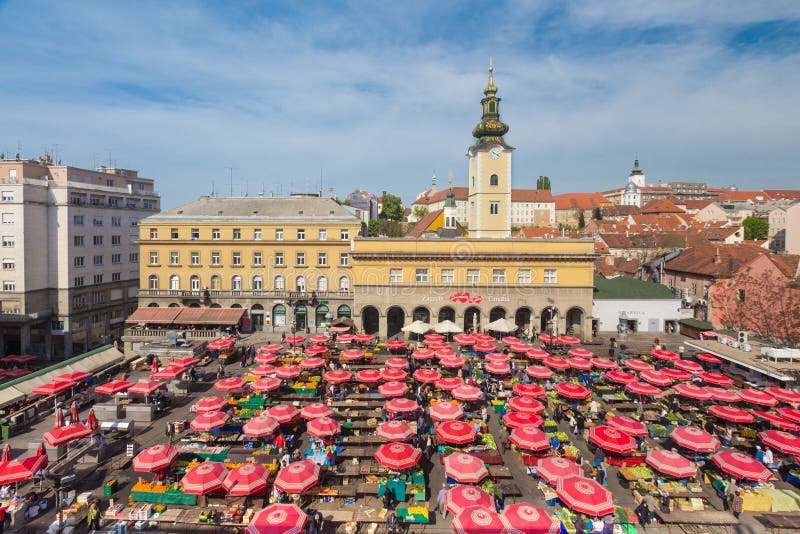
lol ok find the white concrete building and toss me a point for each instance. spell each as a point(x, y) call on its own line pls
point(70, 258)
point(634, 305)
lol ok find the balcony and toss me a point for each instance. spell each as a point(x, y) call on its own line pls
point(244, 293)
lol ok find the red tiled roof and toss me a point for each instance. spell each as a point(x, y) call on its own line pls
point(742, 196)
point(214, 316)
point(531, 195)
point(660, 222)
point(713, 260)
point(609, 266)
point(644, 240)
point(153, 315)
point(422, 225)
point(530, 232)
point(430, 197)
point(786, 263)
point(661, 205)
point(582, 201)
point(697, 205)
point(780, 194)
point(619, 210)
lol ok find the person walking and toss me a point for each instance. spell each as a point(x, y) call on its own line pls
point(93, 516)
point(441, 501)
point(580, 426)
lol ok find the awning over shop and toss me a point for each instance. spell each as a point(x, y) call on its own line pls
point(186, 316)
point(154, 315)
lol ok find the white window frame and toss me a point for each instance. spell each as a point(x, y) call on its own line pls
point(551, 276)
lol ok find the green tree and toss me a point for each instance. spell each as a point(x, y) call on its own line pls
point(581, 220)
point(392, 208)
point(543, 182)
point(346, 202)
point(372, 227)
point(420, 211)
point(755, 228)
point(597, 215)
point(391, 229)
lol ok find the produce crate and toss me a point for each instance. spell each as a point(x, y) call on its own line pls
point(110, 488)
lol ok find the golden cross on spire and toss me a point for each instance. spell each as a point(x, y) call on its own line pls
point(491, 68)
point(491, 71)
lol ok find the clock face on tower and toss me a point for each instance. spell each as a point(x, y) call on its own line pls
point(495, 152)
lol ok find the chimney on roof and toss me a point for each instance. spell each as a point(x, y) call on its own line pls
point(717, 259)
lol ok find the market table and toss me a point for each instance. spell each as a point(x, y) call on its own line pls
point(332, 491)
point(357, 452)
point(413, 514)
point(336, 516)
point(707, 517)
point(499, 471)
point(780, 521)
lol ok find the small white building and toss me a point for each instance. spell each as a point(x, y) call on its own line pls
point(634, 305)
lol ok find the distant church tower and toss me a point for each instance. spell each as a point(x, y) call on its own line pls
point(637, 175)
point(450, 207)
point(631, 195)
point(489, 195)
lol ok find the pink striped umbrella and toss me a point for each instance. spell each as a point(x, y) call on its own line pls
point(524, 518)
point(449, 383)
point(288, 372)
point(783, 424)
point(665, 355)
point(784, 395)
point(297, 477)
point(446, 352)
point(568, 340)
point(427, 376)
point(363, 338)
point(537, 354)
point(452, 362)
point(757, 396)
point(579, 363)
point(742, 465)
point(394, 431)
point(284, 413)
point(716, 379)
point(638, 365)
point(209, 421)
point(233, 383)
point(456, 432)
point(397, 456)
point(278, 519)
point(670, 463)
point(692, 391)
point(323, 427)
point(572, 390)
point(530, 437)
point(520, 348)
point(368, 376)
point(397, 363)
point(352, 355)
point(657, 378)
point(247, 479)
point(204, 478)
point(397, 345)
point(643, 388)
point(556, 363)
point(677, 374)
point(552, 468)
point(294, 340)
point(604, 363)
point(315, 410)
point(318, 339)
point(518, 419)
point(155, 458)
point(781, 441)
point(464, 496)
point(528, 390)
point(510, 340)
point(621, 377)
point(627, 425)
point(264, 370)
point(538, 371)
point(337, 377)
point(792, 414)
point(497, 368)
point(483, 347)
point(445, 411)
point(731, 413)
point(260, 426)
point(525, 404)
point(695, 439)
point(393, 389)
point(709, 358)
point(312, 363)
point(345, 338)
point(269, 383)
point(468, 393)
point(581, 353)
point(689, 366)
point(400, 405)
point(422, 355)
point(477, 520)
point(585, 495)
point(611, 439)
point(465, 468)
point(393, 375)
point(266, 358)
point(464, 339)
point(723, 395)
point(271, 347)
point(497, 357)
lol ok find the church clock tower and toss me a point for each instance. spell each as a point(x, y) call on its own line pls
point(489, 194)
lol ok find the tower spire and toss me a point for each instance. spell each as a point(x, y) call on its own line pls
point(491, 129)
point(491, 71)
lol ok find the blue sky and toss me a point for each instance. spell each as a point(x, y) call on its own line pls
point(380, 95)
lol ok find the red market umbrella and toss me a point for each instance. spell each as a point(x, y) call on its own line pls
point(55, 387)
point(464, 339)
point(269, 383)
point(621, 377)
point(73, 413)
point(337, 377)
point(221, 343)
point(716, 379)
point(169, 372)
point(113, 387)
point(449, 383)
point(91, 420)
point(75, 376)
point(637, 365)
point(781, 441)
point(278, 519)
point(784, 395)
point(464, 496)
point(792, 414)
point(266, 358)
point(524, 518)
point(677, 374)
point(397, 363)
point(397, 345)
point(709, 358)
point(483, 347)
point(497, 357)
point(397, 456)
point(556, 363)
point(368, 376)
point(579, 363)
point(58, 418)
point(611, 439)
point(155, 458)
point(393, 389)
point(568, 340)
point(468, 393)
point(297, 477)
point(294, 340)
point(323, 427)
point(456, 432)
point(782, 423)
point(247, 479)
point(692, 391)
point(537, 354)
point(757, 396)
point(204, 478)
point(13, 471)
point(233, 383)
point(547, 338)
point(312, 363)
point(288, 372)
point(742, 466)
point(464, 468)
point(731, 413)
point(643, 388)
point(723, 395)
point(520, 348)
point(264, 370)
point(665, 355)
point(363, 338)
point(581, 353)
point(146, 387)
point(345, 338)
point(261, 426)
point(695, 439)
point(427, 376)
point(526, 405)
point(538, 371)
point(530, 437)
point(6, 454)
point(394, 431)
point(629, 426)
point(604, 363)
point(552, 468)
point(446, 352)
point(400, 405)
point(422, 355)
point(528, 390)
point(284, 413)
point(518, 419)
point(585, 495)
point(571, 390)
point(318, 339)
point(65, 434)
point(352, 355)
point(437, 345)
point(393, 375)
point(209, 421)
point(315, 410)
point(271, 347)
point(670, 463)
point(477, 520)
point(445, 411)
point(510, 340)
point(688, 365)
point(657, 378)
point(452, 362)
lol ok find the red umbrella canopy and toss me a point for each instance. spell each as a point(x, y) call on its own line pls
point(710, 358)
point(312, 363)
point(657, 378)
point(269, 383)
point(695, 439)
point(445, 411)
point(510, 340)
point(352, 355)
point(288, 371)
point(782, 423)
point(792, 414)
point(466, 392)
point(524, 518)
point(284, 413)
point(337, 377)
point(278, 519)
point(233, 383)
point(731, 413)
point(318, 339)
point(688, 365)
point(114, 387)
point(677, 374)
point(204, 478)
point(363, 338)
point(446, 352)
point(579, 363)
point(323, 427)
point(477, 520)
point(146, 387)
point(397, 363)
point(427, 376)
point(553, 468)
point(538, 371)
point(604, 363)
point(621, 377)
point(293, 340)
point(537, 354)
point(452, 362)
point(757, 396)
point(670, 463)
point(170, 372)
point(464, 339)
point(572, 390)
point(449, 383)
point(784, 395)
point(266, 358)
point(247, 479)
point(528, 390)
point(437, 345)
point(397, 345)
point(315, 410)
point(54, 388)
point(742, 466)
point(209, 421)
point(716, 379)
point(525, 404)
point(611, 439)
point(271, 347)
point(483, 347)
point(530, 437)
point(393, 375)
point(75, 376)
point(394, 431)
point(638, 365)
point(568, 340)
point(26, 468)
point(581, 353)
point(643, 388)
point(665, 355)
point(465, 468)
point(401, 405)
point(781, 441)
point(421, 355)
point(629, 426)
point(463, 496)
point(456, 432)
point(497, 357)
point(397, 456)
point(723, 395)
point(260, 426)
point(518, 419)
point(297, 477)
point(345, 338)
point(692, 391)
point(368, 376)
point(393, 389)
point(66, 434)
point(264, 370)
point(155, 458)
point(585, 495)
point(520, 348)
point(556, 363)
